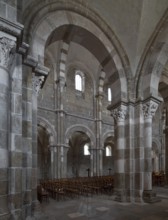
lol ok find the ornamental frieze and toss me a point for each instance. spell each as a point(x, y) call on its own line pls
point(37, 83)
point(7, 51)
point(149, 109)
point(119, 113)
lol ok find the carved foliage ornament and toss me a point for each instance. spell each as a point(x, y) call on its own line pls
point(149, 109)
point(7, 50)
point(37, 83)
point(119, 114)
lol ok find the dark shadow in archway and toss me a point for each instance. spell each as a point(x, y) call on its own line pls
point(77, 162)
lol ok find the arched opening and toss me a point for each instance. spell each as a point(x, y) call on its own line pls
point(78, 156)
point(43, 155)
point(109, 95)
point(78, 82)
point(155, 158)
point(108, 156)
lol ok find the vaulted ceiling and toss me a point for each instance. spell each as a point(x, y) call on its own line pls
point(133, 21)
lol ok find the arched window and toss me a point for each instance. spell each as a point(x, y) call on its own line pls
point(109, 95)
point(108, 151)
point(86, 149)
point(78, 82)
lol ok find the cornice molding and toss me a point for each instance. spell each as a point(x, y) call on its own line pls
point(14, 29)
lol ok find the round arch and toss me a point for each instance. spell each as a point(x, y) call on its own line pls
point(107, 135)
point(157, 143)
point(82, 128)
point(78, 65)
point(49, 130)
point(47, 17)
point(153, 61)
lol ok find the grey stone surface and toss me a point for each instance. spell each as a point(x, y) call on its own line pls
point(43, 127)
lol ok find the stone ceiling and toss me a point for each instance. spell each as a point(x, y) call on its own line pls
point(133, 21)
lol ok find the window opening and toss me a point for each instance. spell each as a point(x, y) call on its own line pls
point(78, 82)
point(108, 151)
point(109, 95)
point(86, 149)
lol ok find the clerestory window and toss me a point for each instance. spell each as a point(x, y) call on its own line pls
point(79, 81)
point(109, 95)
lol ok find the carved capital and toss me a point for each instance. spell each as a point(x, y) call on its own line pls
point(119, 113)
point(149, 109)
point(7, 51)
point(37, 83)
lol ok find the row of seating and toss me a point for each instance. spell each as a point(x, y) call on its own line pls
point(60, 189)
point(158, 178)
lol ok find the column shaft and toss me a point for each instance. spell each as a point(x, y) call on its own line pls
point(149, 109)
point(7, 47)
point(119, 164)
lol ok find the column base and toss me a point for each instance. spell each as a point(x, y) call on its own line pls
point(150, 197)
point(37, 211)
point(122, 196)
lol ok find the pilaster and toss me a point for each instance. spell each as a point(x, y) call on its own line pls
point(38, 78)
point(60, 113)
point(98, 156)
point(7, 51)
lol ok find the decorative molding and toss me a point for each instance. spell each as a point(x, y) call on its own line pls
point(23, 49)
point(8, 47)
point(7, 51)
point(119, 113)
point(37, 83)
point(14, 29)
point(149, 109)
point(41, 70)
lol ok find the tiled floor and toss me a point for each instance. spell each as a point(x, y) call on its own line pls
point(104, 208)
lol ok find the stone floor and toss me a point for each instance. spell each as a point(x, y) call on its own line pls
point(104, 208)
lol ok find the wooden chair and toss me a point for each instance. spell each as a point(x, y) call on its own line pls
point(42, 194)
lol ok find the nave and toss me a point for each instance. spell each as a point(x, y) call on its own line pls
point(103, 207)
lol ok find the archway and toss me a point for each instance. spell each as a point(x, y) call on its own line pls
point(155, 158)
point(44, 156)
point(67, 23)
point(78, 156)
point(46, 141)
point(108, 156)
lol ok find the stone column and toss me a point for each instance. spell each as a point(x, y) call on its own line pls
point(149, 109)
point(60, 117)
point(51, 147)
point(37, 82)
point(98, 157)
point(138, 179)
point(163, 143)
point(119, 115)
point(55, 163)
point(16, 154)
point(27, 142)
point(61, 148)
point(7, 49)
point(166, 145)
point(93, 162)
